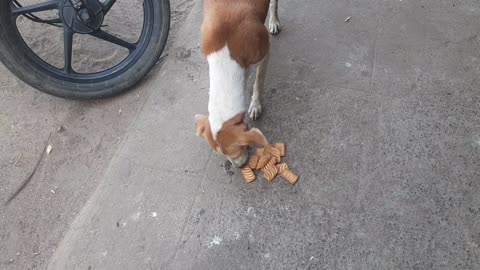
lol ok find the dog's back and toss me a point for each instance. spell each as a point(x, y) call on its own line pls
point(238, 24)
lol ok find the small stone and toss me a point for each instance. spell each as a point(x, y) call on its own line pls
point(227, 165)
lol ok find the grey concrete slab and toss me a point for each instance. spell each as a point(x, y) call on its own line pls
point(425, 40)
point(136, 226)
point(379, 190)
point(154, 177)
point(327, 49)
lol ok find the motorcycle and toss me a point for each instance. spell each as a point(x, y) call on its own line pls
point(81, 17)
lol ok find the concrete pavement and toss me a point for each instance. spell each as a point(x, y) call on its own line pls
point(33, 224)
point(381, 116)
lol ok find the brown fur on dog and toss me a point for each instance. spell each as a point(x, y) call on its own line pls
point(234, 136)
point(240, 25)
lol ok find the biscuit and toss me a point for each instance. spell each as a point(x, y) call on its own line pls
point(268, 159)
point(289, 176)
point(248, 174)
point(281, 148)
point(269, 172)
point(277, 154)
point(271, 162)
point(264, 159)
point(282, 167)
point(253, 161)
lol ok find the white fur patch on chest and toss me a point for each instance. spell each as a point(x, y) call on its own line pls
point(227, 86)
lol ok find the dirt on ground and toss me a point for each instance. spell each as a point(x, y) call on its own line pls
point(84, 136)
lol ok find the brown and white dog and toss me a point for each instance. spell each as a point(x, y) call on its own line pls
point(234, 37)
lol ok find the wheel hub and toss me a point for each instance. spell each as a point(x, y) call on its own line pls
point(83, 21)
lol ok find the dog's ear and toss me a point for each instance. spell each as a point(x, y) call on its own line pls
point(253, 136)
point(201, 123)
point(203, 130)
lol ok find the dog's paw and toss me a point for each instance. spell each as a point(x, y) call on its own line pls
point(274, 27)
point(255, 110)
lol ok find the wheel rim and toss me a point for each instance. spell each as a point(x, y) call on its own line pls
point(67, 73)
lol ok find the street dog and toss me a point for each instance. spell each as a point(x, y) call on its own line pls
point(234, 38)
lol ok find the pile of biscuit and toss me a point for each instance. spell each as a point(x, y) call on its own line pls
point(268, 161)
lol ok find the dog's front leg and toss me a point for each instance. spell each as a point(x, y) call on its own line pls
point(255, 109)
point(274, 23)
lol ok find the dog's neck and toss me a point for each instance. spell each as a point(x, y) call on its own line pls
point(227, 89)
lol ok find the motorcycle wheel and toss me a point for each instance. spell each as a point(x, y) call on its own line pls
point(65, 82)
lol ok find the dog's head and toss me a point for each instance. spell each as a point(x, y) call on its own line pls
point(233, 138)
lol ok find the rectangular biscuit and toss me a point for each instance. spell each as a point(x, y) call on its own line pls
point(282, 167)
point(269, 172)
point(248, 174)
point(281, 148)
point(289, 176)
point(253, 161)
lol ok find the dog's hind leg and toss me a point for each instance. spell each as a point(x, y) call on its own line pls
point(274, 23)
point(255, 109)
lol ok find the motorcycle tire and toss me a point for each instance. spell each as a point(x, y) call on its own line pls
point(27, 66)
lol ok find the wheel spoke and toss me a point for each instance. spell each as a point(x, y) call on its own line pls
point(49, 5)
point(113, 39)
point(67, 48)
point(108, 5)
